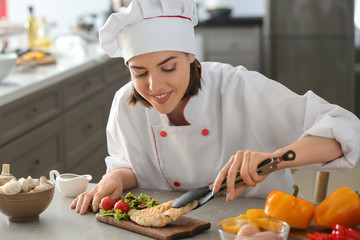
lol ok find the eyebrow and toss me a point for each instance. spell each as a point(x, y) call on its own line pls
point(159, 64)
point(166, 60)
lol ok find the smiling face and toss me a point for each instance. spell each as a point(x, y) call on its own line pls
point(161, 78)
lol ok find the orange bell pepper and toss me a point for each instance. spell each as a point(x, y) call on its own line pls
point(260, 220)
point(297, 212)
point(341, 207)
point(253, 212)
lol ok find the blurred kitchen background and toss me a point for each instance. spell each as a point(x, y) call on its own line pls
point(304, 44)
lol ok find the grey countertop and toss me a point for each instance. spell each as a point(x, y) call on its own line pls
point(58, 221)
point(21, 83)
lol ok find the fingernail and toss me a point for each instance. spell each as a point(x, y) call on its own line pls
point(94, 208)
point(229, 197)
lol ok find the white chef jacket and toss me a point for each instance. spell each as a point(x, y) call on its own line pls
point(235, 109)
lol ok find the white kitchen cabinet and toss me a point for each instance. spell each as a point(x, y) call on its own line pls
point(62, 126)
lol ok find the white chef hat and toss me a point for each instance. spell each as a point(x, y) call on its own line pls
point(150, 26)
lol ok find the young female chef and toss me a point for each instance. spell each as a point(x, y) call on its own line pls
point(180, 124)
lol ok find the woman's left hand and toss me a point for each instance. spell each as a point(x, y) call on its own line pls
point(245, 162)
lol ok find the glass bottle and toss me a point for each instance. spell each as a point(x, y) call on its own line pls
point(32, 29)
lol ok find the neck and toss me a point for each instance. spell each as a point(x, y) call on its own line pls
point(176, 117)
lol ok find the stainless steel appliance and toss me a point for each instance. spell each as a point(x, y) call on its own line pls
point(309, 45)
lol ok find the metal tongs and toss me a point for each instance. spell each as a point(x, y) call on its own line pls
point(204, 194)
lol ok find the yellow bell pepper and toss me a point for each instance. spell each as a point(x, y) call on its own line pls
point(297, 212)
point(257, 218)
point(234, 227)
point(255, 213)
point(341, 207)
point(261, 220)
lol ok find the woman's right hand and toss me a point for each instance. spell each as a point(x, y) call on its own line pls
point(111, 184)
point(245, 163)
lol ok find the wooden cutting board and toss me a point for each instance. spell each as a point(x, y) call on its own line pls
point(183, 227)
point(300, 234)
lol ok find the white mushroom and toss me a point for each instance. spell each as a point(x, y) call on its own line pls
point(43, 180)
point(11, 188)
point(24, 184)
point(32, 182)
point(5, 174)
point(40, 188)
point(1, 190)
point(44, 185)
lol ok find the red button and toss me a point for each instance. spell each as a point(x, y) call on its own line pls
point(177, 184)
point(205, 132)
point(163, 133)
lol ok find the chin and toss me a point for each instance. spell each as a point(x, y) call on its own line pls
point(162, 110)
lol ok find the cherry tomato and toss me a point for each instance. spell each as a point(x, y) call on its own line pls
point(107, 203)
point(123, 206)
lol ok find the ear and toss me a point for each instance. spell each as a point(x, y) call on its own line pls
point(191, 58)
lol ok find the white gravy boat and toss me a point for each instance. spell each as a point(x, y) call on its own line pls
point(69, 184)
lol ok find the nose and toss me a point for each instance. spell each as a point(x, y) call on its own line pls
point(155, 82)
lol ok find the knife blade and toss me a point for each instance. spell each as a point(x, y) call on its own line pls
point(204, 194)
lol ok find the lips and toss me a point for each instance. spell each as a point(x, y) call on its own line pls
point(162, 98)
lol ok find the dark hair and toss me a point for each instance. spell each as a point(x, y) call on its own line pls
point(193, 88)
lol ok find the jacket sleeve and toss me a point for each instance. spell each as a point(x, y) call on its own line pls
point(332, 121)
point(281, 117)
point(309, 114)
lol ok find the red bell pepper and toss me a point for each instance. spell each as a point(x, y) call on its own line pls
point(338, 233)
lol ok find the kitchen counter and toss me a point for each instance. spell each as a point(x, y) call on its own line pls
point(22, 83)
point(54, 116)
point(58, 221)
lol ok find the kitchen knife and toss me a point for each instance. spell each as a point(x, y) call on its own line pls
point(204, 194)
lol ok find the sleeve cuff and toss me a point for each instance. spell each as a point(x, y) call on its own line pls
point(113, 163)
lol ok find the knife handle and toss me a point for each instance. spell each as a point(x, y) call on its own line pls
point(238, 182)
point(288, 156)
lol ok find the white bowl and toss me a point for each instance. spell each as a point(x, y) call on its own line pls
point(7, 63)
